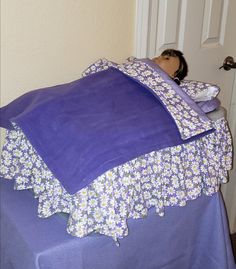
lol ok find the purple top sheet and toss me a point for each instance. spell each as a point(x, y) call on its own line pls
point(84, 128)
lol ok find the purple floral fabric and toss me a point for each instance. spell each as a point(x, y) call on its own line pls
point(99, 65)
point(168, 177)
point(199, 91)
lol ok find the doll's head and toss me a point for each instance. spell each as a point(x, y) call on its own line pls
point(173, 63)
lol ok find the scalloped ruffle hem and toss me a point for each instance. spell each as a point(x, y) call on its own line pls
point(168, 177)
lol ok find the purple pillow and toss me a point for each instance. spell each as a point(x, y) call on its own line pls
point(210, 105)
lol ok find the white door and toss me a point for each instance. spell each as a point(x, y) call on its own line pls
point(205, 31)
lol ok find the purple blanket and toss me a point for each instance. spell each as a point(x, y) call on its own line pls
point(84, 128)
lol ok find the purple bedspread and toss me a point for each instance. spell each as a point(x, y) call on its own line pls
point(195, 236)
point(86, 127)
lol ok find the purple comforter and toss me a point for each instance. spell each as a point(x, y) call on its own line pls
point(84, 128)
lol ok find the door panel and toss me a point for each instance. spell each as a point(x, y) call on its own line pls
point(205, 31)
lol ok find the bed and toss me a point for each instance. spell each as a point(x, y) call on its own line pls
point(138, 182)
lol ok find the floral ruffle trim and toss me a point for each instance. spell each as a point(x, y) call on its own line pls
point(168, 177)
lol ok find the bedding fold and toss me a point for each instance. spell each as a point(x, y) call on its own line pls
point(84, 128)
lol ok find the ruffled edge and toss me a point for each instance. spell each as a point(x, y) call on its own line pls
point(126, 191)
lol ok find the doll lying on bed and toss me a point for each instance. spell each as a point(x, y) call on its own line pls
point(174, 64)
point(110, 133)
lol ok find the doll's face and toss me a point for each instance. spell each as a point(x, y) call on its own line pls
point(169, 64)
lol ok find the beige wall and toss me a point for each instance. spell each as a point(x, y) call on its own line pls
point(48, 42)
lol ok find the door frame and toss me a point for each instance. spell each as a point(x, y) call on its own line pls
point(229, 190)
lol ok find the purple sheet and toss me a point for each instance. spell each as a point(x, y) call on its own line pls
point(84, 128)
point(195, 236)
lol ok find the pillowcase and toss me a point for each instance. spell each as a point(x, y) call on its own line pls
point(210, 105)
point(199, 91)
